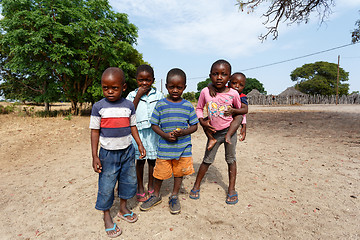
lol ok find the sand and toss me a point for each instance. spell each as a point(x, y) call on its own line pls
point(298, 178)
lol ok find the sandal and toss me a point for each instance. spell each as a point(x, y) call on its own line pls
point(141, 197)
point(124, 217)
point(115, 228)
point(194, 193)
point(151, 192)
point(232, 201)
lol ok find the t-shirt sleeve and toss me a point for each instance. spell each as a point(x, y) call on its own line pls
point(201, 104)
point(244, 99)
point(95, 118)
point(192, 116)
point(132, 115)
point(155, 116)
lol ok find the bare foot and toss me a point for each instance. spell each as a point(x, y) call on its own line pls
point(211, 144)
point(112, 230)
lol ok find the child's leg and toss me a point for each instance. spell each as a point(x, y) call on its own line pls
point(211, 140)
point(236, 122)
point(125, 212)
point(232, 171)
point(157, 186)
point(199, 177)
point(151, 165)
point(110, 224)
point(177, 185)
point(140, 195)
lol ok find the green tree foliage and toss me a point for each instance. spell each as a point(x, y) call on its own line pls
point(356, 33)
point(320, 78)
point(190, 96)
point(61, 47)
point(253, 83)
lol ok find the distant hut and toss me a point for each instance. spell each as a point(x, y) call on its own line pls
point(292, 96)
point(254, 92)
point(291, 91)
point(254, 97)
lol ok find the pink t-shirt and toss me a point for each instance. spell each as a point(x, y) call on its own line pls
point(216, 107)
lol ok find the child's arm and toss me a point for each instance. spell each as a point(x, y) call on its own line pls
point(167, 136)
point(234, 111)
point(141, 92)
point(183, 132)
point(95, 134)
point(135, 134)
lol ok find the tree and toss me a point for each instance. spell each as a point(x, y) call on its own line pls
point(49, 48)
point(253, 83)
point(291, 11)
point(190, 96)
point(320, 78)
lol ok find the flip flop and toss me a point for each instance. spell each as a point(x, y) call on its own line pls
point(151, 192)
point(141, 197)
point(118, 233)
point(194, 196)
point(230, 196)
point(124, 217)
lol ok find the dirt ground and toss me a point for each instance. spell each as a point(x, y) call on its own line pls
point(298, 178)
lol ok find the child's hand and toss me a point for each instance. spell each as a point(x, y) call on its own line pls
point(178, 132)
point(97, 164)
point(170, 137)
point(142, 151)
point(206, 125)
point(229, 111)
point(143, 90)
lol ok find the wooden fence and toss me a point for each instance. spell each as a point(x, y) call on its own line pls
point(307, 99)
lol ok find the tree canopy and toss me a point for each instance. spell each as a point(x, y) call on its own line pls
point(290, 12)
point(59, 48)
point(253, 83)
point(320, 78)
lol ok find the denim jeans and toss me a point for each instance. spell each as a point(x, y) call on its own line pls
point(117, 166)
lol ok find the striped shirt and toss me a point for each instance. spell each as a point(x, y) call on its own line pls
point(170, 116)
point(114, 120)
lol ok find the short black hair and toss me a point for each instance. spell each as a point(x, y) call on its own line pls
point(118, 72)
point(238, 73)
point(218, 62)
point(176, 72)
point(145, 68)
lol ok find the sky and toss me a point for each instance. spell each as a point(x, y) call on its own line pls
point(191, 35)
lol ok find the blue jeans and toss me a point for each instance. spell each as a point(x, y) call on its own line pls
point(117, 166)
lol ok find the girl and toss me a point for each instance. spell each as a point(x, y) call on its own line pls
point(145, 98)
point(218, 124)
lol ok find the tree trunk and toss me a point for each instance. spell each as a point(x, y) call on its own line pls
point(47, 106)
point(74, 107)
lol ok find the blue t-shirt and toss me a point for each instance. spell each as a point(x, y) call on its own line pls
point(169, 116)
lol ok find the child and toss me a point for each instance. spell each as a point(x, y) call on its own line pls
point(237, 81)
point(112, 123)
point(145, 98)
point(174, 119)
point(239, 84)
point(218, 125)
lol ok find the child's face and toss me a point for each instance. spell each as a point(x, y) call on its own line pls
point(112, 87)
point(175, 86)
point(144, 79)
point(220, 75)
point(237, 82)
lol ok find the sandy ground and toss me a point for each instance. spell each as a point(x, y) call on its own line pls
point(298, 178)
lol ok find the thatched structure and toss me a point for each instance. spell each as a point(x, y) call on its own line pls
point(291, 91)
point(254, 92)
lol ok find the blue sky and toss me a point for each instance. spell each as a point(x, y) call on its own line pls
point(191, 35)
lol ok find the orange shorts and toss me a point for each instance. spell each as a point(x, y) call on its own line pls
point(164, 169)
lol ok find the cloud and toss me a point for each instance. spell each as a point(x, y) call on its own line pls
point(216, 27)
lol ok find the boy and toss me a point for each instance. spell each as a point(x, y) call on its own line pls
point(218, 124)
point(174, 119)
point(112, 123)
